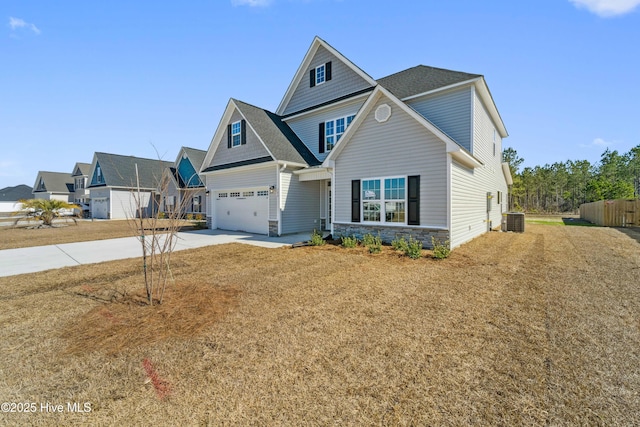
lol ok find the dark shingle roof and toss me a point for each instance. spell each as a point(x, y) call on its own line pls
point(120, 171)
point(55, 182)
point(422, 79)
point(13, 194)
point(196, 156)
point(84, 168)
point(280, 140)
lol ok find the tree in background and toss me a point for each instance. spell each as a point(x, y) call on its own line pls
point(564, 186)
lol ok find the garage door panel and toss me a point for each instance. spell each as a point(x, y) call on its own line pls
point(243, 210)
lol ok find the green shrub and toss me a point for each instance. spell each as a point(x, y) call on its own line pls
point(189, 217)
point(440, 249)
point(349, 242)
point(413, 248)
point(162, 215)
point(316, 239)
point(198, 217)
point(374, 244)
point(399, 244)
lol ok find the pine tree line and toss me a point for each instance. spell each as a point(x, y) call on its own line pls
point(564, 186)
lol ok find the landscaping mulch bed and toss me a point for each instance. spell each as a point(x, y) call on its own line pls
point(513, 329)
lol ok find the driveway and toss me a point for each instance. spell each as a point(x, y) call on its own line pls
point(41, 258)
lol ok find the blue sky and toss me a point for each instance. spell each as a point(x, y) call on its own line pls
point(135, 77)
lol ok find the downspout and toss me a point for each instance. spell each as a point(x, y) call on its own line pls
point(332, 214)
point(278, 189)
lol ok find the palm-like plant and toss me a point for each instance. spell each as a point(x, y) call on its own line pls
point(43, 210)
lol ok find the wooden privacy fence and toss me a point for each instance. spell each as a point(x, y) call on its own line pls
point(612, 213)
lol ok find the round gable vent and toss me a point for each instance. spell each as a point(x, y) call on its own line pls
point(383, 112)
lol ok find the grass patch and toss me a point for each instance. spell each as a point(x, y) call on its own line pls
point(320, 335)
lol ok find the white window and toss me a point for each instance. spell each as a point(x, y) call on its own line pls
point(196, 204)
point(333, 130)
point(384, 200)
point(234, 194)
point(263, 193)
point(236, 134)
point(247, 194)
point(320, 74)
point(222, 195)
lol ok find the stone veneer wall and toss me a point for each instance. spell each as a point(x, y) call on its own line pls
point(209, 221)
point(388, 234)
point(273, 228)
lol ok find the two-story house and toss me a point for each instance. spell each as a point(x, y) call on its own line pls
point(417, 153)
point(186, 191)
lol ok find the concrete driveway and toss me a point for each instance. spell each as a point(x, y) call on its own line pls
point(41, 258)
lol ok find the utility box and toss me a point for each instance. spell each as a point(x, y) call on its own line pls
point(513, 221)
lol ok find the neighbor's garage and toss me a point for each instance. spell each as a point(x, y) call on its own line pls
point(245, 209)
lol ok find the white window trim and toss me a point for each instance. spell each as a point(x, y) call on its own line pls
point(239, 134)
point(324, 74)
point(382, 201)
point(335, 132)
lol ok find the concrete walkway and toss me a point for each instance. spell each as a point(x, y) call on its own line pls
point(41, 258)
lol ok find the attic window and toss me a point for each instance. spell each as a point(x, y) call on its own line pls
point(320, 74)
point(236, 132)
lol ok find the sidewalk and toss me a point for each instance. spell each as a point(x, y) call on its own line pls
point(41, 258)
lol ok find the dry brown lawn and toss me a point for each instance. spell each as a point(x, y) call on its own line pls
point(66, 232)
point(540, 328)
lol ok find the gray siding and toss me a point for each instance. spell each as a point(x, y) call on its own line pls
point(123, 204)
point(400, 146)
point(450, 111)
point(300, 203)
point(262, 177)
point(253, 149)
point(469, 188)
point(343, 82)
point(307, 126)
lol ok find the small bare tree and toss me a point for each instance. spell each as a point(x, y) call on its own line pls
point(156, 224)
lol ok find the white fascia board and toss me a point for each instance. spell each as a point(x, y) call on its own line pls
point(487, 99)
point(324, 107)
point(507, 173)
point(217, 136)
point(302, 70)
point(463, 157)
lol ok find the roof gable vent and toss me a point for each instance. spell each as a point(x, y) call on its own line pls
point(383, 112)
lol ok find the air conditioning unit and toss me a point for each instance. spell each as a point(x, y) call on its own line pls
point(513, 221)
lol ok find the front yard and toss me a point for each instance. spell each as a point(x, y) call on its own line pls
point(535, 328)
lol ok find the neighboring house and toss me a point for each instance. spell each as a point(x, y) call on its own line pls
point(417, 153)
point(113, 186)
point(53, 186)
point(10, 197)
point(80, 177)
point(186, 187)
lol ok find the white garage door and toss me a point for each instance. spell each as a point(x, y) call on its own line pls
point(100, 208)
point(243, 210)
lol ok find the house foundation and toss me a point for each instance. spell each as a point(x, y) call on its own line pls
point(388, 234)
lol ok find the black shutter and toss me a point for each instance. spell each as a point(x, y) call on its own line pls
point(414, 200)
point(243, 132)
point(312, 77)
point(355, 200)
point(321, 138)
point(327, 71)
point(228, 136)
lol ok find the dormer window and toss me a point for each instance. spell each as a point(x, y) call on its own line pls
point(320, 74)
